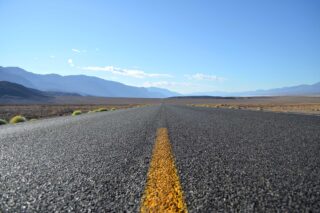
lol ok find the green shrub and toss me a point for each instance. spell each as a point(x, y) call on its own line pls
point(3, 122)
point(102, 109)
point(77, 112)
point(112, 109)
point(17, 119)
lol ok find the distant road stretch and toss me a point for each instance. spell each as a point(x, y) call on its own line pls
point(162, 157)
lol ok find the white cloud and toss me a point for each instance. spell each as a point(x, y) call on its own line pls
point(70, 62)
point(200, 76)
point(167, 84)
point(135, 73)
point(78, 51)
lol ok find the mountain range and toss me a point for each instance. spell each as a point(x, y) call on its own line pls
point(300, 90)
point(57, 85)
point(80, 84)
point(9, 90)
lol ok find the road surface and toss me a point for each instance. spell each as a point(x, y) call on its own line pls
point(227, 160)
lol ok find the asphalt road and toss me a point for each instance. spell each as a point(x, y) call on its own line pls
point(227, 160)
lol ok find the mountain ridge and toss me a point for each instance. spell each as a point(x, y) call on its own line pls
point(9, 91)
point(81, 84)
point(298, 90)
point(94, 86)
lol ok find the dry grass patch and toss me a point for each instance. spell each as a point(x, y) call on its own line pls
point(38, 111)
point(76, 112)
point(18, 119)
point(310, 108)
point(101, 110)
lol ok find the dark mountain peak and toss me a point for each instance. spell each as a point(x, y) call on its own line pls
point(12, 90)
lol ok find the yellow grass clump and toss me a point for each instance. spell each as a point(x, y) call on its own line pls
point(17, 119)
point(77, 112)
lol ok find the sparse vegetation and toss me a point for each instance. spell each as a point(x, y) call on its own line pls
point(17, 119)
point(312, 108)
point(112, 109)
point(76, 112)
point(98, 110)
point(50, 110)
point(3, 122)
point(101, 110)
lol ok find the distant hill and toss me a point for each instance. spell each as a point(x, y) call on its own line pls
point(300, 90)
point(313, 89)
point(202, 97)
point(52, 93)
point(9, 90)
point(81, 84)
point(162, 91)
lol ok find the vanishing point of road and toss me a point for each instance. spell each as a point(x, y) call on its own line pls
point(162, 158)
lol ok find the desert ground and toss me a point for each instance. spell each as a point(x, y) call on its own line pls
point(305, 105)
point(37, 111)
point(63, 106)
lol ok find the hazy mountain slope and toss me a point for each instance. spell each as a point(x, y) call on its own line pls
point(162, 91)
point(313, 89)
point(84, 85)
point(9, 90)
point(14, 75)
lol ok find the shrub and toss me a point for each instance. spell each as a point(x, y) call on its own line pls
point(3, 122)
point(113, 109)
point(77, 112)
point(17, 119)
point(102, 109)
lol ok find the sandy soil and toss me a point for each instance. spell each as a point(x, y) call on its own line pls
point(62, 106)
point(37, 111)
point(308, 105)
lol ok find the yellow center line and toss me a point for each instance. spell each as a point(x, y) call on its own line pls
point(163, 192)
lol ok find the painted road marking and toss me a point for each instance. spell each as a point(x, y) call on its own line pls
point(163, 192)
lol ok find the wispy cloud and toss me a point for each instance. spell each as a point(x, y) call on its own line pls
point(70, 62)
point(167, 84)
point(78, 51)
point(201, 76)
point(135, 73)
point(52, 56)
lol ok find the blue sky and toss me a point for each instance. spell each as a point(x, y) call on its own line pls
point(185, 46)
